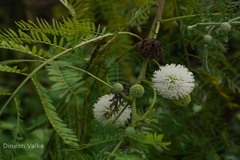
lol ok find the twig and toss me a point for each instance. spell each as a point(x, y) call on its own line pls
point(152, 34)
point(156, 22)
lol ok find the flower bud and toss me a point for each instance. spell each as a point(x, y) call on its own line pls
point(189, 28)
point(207, 38)
point(136, 91)
point(117, 88)
point(130, 131)
point(225, 26)
point(183, 101)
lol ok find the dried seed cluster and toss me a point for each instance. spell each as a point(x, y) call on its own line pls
point(150, 48)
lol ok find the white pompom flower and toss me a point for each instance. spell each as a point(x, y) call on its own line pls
point(173, 81)
point(105, 112)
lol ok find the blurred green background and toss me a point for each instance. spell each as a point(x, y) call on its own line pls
point(211, 128)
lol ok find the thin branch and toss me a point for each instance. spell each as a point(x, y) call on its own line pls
point(156, 22)
point(30, 75)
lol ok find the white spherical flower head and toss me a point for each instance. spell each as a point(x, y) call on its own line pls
point(105, 111)
point(173, 81)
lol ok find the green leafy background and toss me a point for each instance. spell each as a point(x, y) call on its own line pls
point(50, 49)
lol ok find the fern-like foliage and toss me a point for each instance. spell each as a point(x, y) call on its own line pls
point(67, 81)
point(59, 126)
point(40, 33)
point(66, 28)
point(116, 73)
point(69, 6)
point(6, 43)
point(79, 57)
point(18, 127)
point(141, 15)
point(150, 139)
point(156, 139)
point(6, 68)
point(4, 92)
point(79, 9)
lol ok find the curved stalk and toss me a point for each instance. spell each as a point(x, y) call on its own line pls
point(45, 63)
point(142, 73)
point(153, 101)
point(90, 75)
point(116, 148)
point(134, 111)
point(131, 34)
point(185, 17)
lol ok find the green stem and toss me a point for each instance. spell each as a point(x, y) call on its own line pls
point(126, 97)
point(90, 75)
point(153, 101)
point(211, 29)
point(202, 23)
point(45, 63)
point(205, 58)
point(134, 111)
point(185, 17)
point(86, 146)
point(234, 19)
point(142, 73)
point(214, 23)
point(176, 7)
point(116, 148)
point(131, 34)
point(208, 23)
point(156, 63)
point(19, 60)
point(120, 113)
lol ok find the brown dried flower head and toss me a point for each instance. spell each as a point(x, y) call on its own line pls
point(150, 48)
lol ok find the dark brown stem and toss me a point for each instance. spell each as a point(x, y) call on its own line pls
point(152, 34)
point(156, 22)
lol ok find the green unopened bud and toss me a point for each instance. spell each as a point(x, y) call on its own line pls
point(117, 87)
point(136, 91)
point(183, 101)
point(207, 38)
point(225, 26)
point(189, 28)
point(130, 131)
